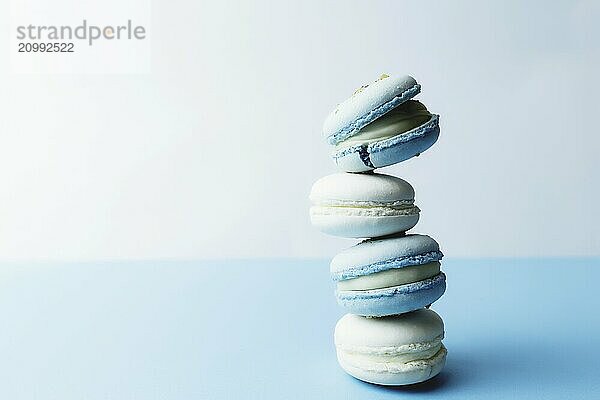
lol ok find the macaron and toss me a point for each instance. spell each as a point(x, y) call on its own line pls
point(397, 350)
point(362, 205)
point(389, 276)
point(379, 125)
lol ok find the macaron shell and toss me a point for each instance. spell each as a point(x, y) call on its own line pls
point(351, 226)
point(420, 326)
point(368, 104)
point(390, 151)
point(393, 300)
point(409, 373)
point(371, 256)
point(377, 188)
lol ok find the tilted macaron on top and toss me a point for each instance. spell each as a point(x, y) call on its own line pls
point(367, 104)
point(362, 205)
point(396, 350)
point(389, 276)
point(379, 125)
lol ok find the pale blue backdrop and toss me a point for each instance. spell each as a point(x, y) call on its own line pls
point(263, 330)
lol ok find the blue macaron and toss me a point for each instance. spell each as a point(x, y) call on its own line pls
point(379, 125)
point(395, 275)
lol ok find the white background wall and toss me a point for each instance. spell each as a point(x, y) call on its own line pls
point(213, 153)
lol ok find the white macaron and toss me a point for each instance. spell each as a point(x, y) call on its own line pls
point(363, 205)
point(396, 350)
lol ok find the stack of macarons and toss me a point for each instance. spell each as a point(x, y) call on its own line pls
point(388, 281)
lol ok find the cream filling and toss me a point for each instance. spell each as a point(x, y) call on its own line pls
point(391, 277)
point(401, 119)
point(365, 208)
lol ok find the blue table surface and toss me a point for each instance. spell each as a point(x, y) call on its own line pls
point(263, 330)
